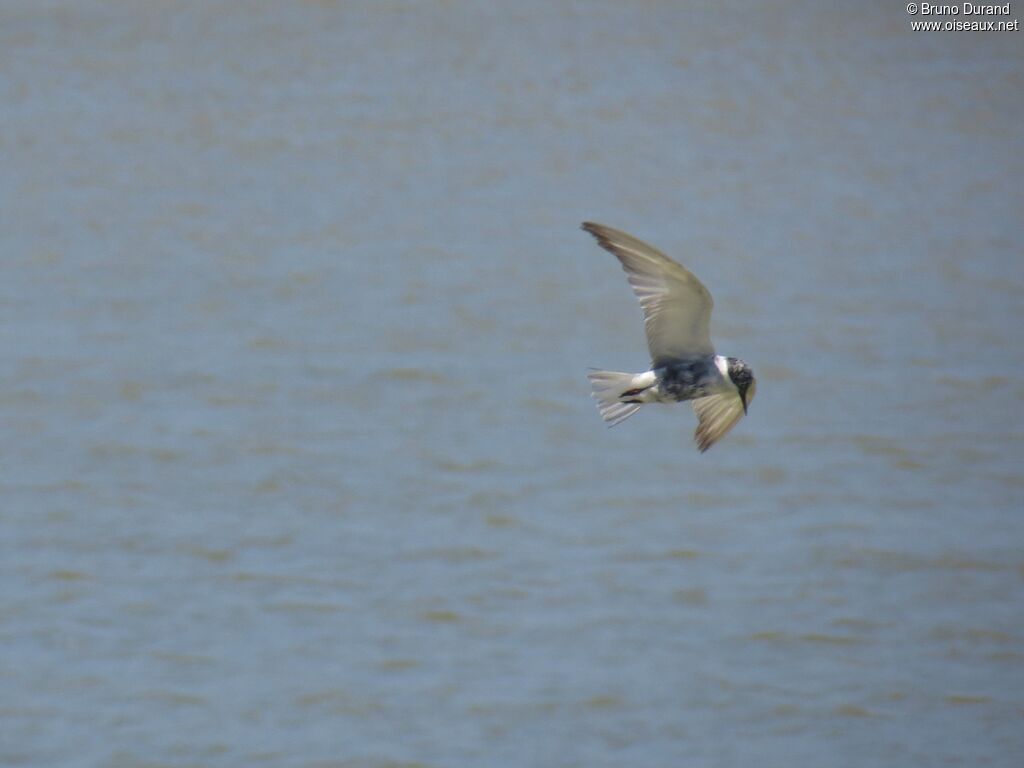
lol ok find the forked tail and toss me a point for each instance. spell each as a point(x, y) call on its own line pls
point(609, 389)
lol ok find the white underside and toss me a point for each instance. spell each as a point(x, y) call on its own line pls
point(608, 388)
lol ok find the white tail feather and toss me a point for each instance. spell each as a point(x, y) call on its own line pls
point(608, 387)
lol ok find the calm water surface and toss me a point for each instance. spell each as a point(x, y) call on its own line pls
point(299, 463)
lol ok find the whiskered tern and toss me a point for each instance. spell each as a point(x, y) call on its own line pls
point(684, 366)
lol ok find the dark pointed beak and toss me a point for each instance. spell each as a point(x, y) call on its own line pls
point(743, 399)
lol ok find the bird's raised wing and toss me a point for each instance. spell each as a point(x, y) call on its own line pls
point(717, 414)
point(677, 307)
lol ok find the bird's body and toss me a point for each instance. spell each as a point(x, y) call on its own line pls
point(684, 366)
point(691, 379)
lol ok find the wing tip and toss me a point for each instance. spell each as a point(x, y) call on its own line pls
point(703, 443)
point(609, 238)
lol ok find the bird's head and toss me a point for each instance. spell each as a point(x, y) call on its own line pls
point(741, 375)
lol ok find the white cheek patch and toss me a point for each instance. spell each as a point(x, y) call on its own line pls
point(722, 363)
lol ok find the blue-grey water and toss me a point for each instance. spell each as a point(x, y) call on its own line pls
point(299, 466)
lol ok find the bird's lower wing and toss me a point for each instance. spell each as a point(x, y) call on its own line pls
point(717, 414)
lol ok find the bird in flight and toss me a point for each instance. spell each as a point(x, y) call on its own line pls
point(684, 366)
